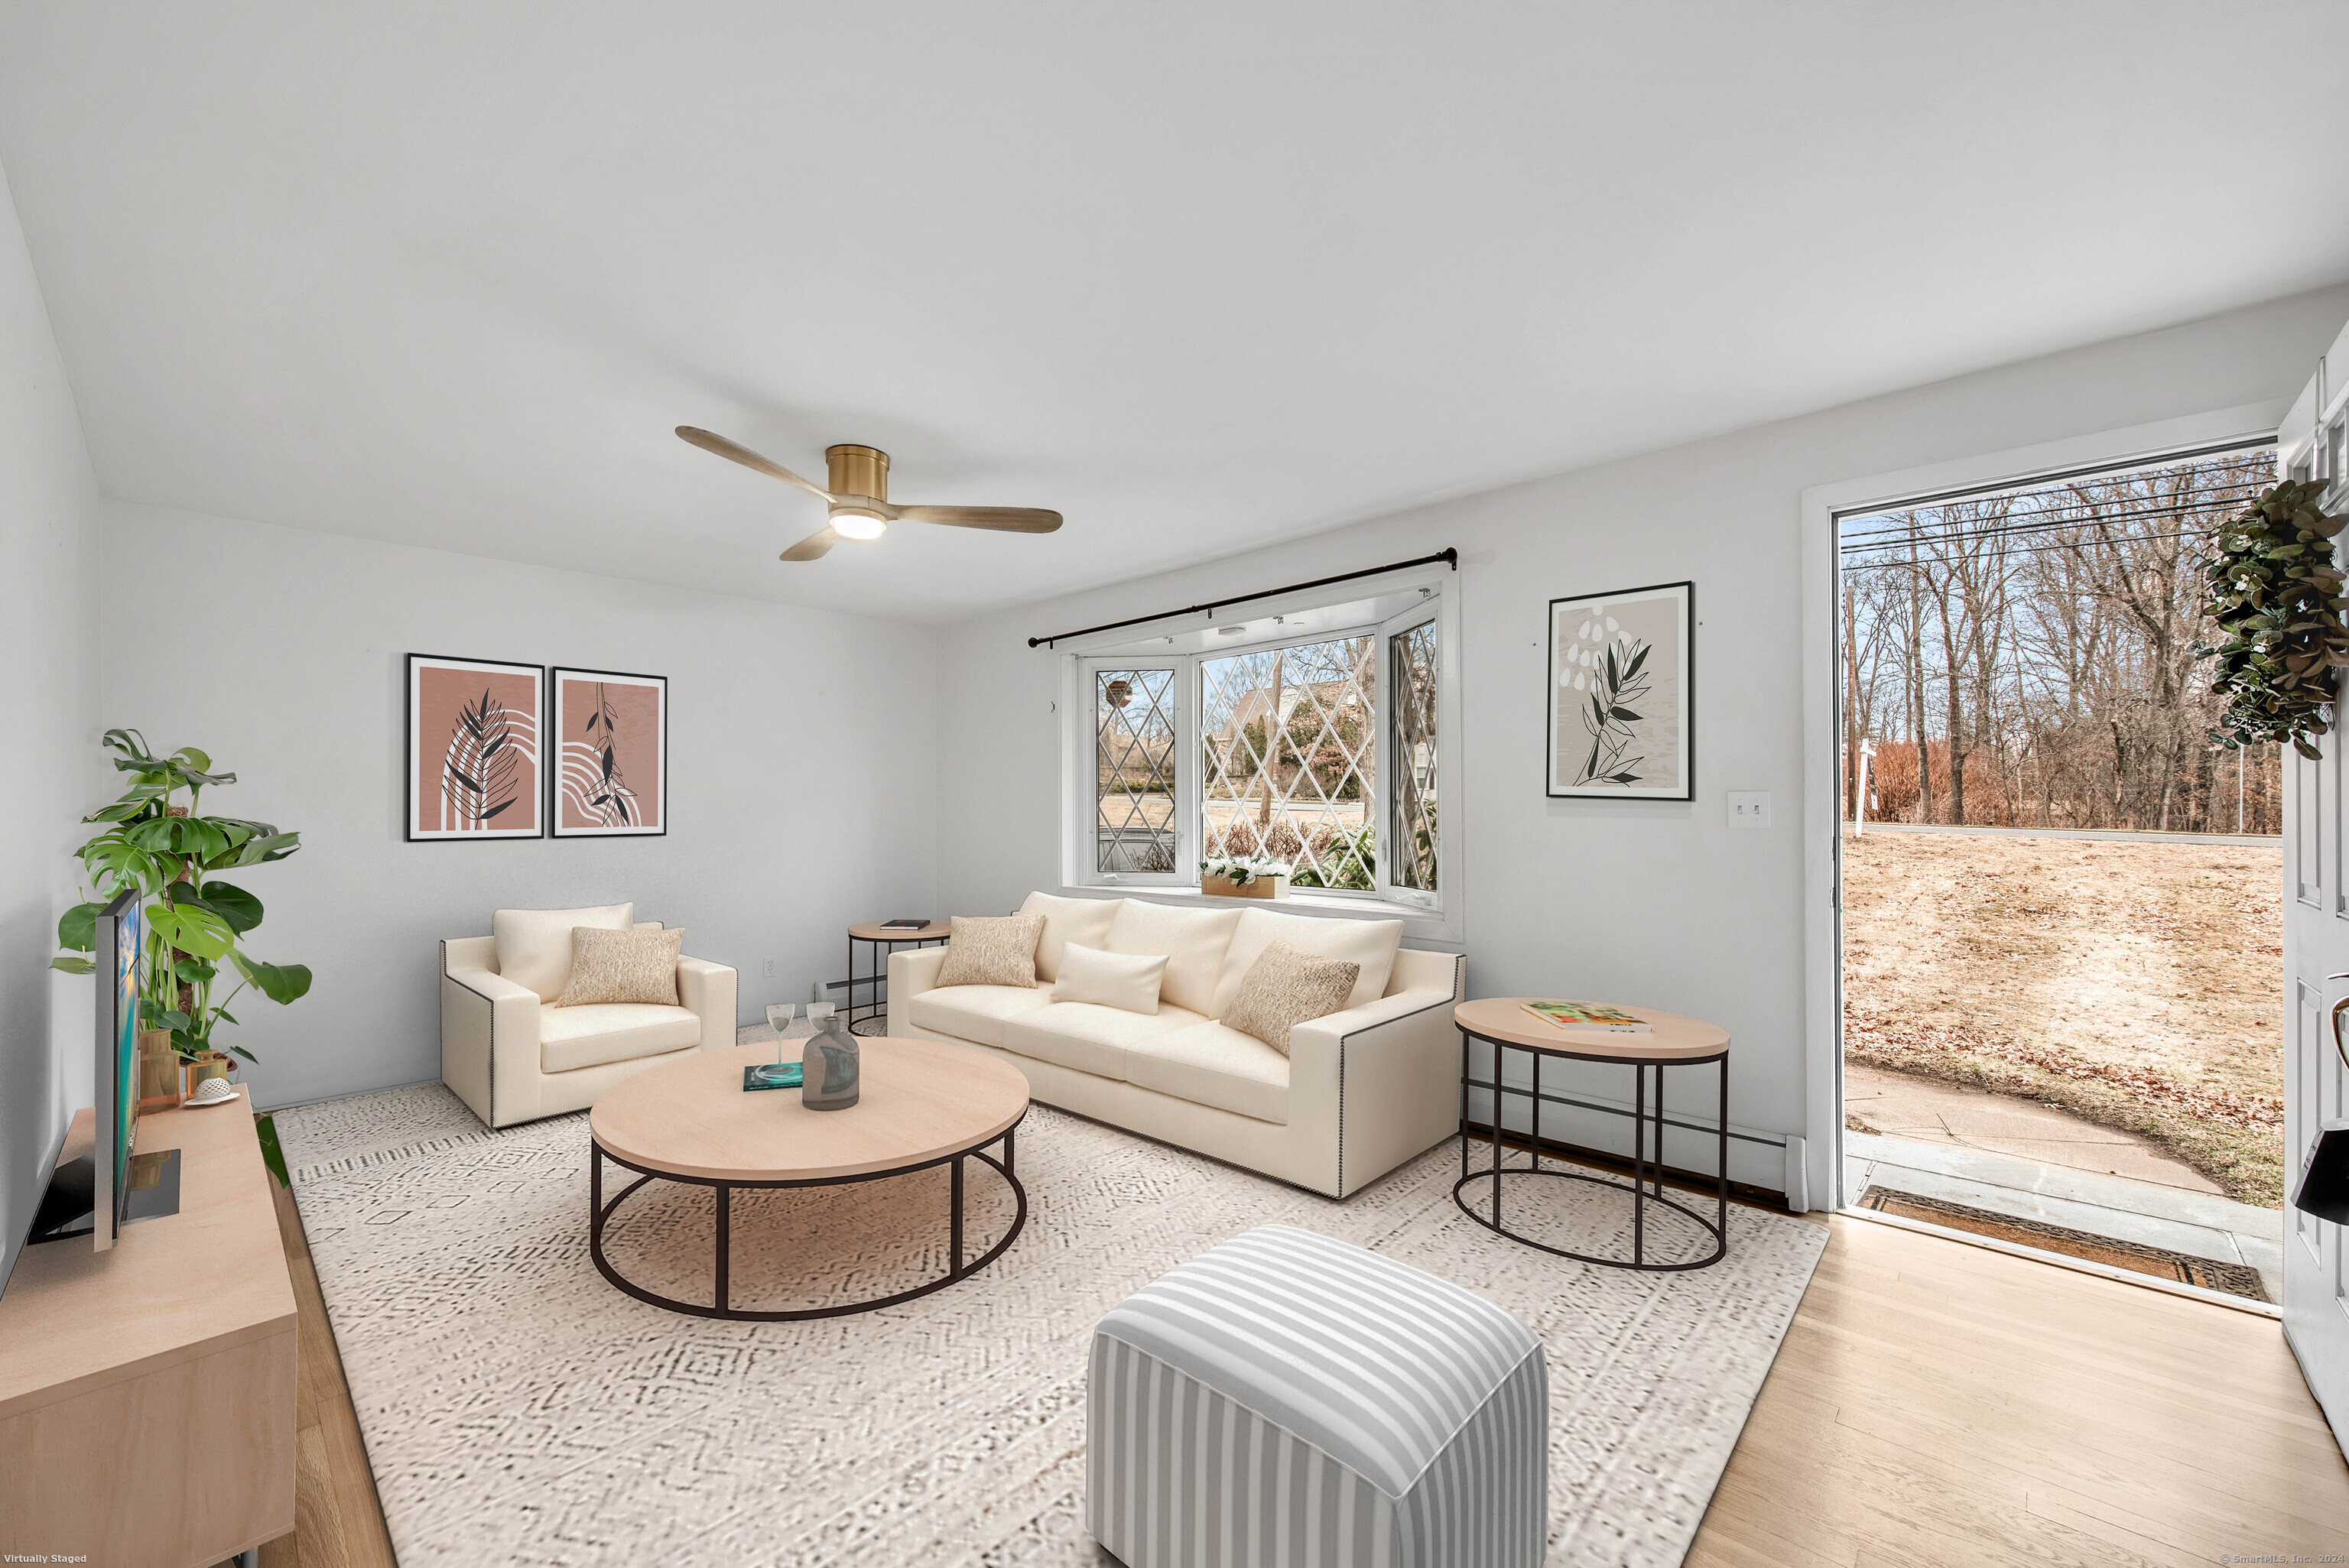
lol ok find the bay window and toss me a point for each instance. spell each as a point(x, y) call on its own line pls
point(1314, 738)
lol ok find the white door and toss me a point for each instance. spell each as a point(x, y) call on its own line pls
point(2315, 958)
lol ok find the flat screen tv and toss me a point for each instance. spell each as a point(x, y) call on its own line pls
point(96, 1194)
point(121, 941)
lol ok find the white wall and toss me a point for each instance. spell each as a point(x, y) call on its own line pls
point(48, 552)
point(802, 772)
point(1658, 903)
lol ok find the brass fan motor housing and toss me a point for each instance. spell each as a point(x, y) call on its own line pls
point(857, 470)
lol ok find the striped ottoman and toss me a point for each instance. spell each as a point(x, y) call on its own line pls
point(1286, 1398)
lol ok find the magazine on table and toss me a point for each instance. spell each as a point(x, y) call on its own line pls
point(1586, 1016)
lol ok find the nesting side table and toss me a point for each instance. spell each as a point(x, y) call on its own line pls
point(1671, 1040)
point(882, 940)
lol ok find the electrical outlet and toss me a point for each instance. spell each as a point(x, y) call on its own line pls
point(766, 969)
point(1750, 808)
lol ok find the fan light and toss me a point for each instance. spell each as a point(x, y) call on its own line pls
point(850, 524)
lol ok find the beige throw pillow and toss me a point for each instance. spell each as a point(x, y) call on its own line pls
point(1285, 988)
point(622, 966)
point(997, 951)
point(1125, 981)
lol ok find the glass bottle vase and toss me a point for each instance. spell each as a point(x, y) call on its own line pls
point(829, 1067)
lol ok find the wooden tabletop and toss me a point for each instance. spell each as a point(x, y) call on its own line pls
point(1670, 1037)
point(873, 931)
point(918, 1100)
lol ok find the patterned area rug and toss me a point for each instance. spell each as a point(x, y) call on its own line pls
point(518, 1410)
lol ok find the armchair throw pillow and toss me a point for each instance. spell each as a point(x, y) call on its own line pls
point(1126, 981)
point(622, 966)
point(995, 951)
point(1285, 988)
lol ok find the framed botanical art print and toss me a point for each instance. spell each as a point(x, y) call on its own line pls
point(1621, 677)
point(611, 773)
point(473, 728)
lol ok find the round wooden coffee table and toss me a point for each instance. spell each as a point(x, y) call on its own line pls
point(1669, 1040)
point(922, 1103)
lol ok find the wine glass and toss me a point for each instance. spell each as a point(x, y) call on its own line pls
point(779, 1018)
point(819, 1014)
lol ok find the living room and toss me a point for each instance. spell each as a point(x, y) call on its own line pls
point(1380, 378)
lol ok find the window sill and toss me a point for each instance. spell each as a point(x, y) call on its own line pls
point(1420, 923)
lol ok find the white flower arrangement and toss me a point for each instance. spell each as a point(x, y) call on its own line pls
point(1242, 869)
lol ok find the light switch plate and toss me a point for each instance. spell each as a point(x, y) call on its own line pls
point(1750, 808)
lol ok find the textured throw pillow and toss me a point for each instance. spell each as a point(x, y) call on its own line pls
point(1126, 981)
point(622, 966)
point(1000, 951)
point(534, 945)
point(1285, 988)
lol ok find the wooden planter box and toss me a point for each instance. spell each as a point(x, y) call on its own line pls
point(1256, 887)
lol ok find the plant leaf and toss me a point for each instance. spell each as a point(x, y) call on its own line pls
point(281, 982)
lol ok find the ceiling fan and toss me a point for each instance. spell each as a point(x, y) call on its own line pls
point(858, 497)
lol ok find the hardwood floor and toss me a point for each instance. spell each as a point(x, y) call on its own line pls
point(1940, 1403)
point(1934, 1403)
point(337, 1523)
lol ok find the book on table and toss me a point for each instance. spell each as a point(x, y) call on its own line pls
point(1587, 1015)
point(905, 925)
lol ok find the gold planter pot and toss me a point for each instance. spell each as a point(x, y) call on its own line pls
point(211, 1064)
point(159, 1067)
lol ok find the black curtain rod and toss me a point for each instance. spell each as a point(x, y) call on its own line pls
point(1449, 557)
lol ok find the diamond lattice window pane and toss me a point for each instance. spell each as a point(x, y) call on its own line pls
point(1134, 766)
point(1289, 743)
point(1410, 698)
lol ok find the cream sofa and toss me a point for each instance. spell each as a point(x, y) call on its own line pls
point(512, 1056)
point(1361, 1091)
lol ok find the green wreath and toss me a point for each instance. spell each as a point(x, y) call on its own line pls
point(2276, 594)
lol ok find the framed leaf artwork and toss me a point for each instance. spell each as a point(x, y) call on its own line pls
point(611, 771)
point(1621, 684)
point(474, 730)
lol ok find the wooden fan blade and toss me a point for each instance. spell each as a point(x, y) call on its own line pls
point(1003, 519)
point(812, 547)
point(709, 441)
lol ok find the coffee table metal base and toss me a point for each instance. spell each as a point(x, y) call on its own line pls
point(600, 1214)
point(1643, 1190)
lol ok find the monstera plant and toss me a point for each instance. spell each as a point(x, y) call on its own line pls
point(174, 857)
point(2275, 593)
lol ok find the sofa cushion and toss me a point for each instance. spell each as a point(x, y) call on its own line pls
point(1369, 942)
point(1210, 1064)
point(1285, 988)
point(996, 950)
point(622, 966)
point(975, 1013)
point(1083, 921)
point(574, 1037)
point(1089, 1038)
point(1126, 981)
point(1194, 941)
point(535, 945)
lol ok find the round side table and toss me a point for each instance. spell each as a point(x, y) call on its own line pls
point(884, 941)
point(1669, 1040)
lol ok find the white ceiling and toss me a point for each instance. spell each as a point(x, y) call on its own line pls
point(1200, 275)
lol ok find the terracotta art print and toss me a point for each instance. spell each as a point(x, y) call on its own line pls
point(611, 775)
point(473, 730)
point(1621, 672)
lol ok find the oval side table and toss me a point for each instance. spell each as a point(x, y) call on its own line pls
point(885, 940)
point(1671, 1040)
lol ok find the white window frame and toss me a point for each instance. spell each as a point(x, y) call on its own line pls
point(1430, 917)
point(1083, 860)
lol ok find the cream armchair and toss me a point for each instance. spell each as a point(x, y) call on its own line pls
point(513, 1057)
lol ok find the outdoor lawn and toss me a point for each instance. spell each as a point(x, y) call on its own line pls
point(2136, 985)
